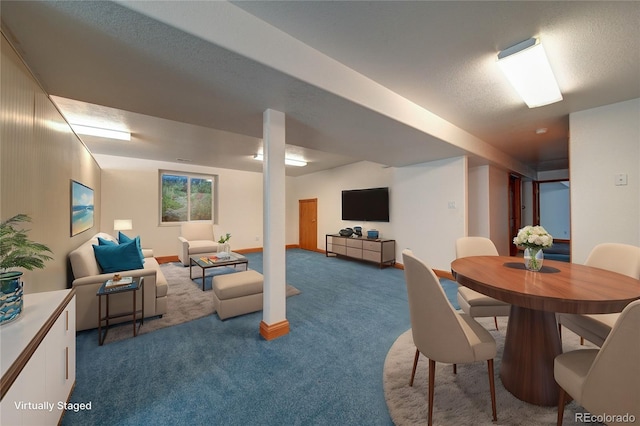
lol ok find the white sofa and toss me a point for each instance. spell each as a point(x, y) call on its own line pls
point(88, 279)
point(195, 238)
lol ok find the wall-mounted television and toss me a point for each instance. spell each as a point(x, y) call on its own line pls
point(370, 204)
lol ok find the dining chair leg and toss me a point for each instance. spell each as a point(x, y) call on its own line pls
point(415, 365)
point(495, 321)
point(561, 402)
point(492, 389)
point(455, 368)
point(581, 341)
point(432, 380)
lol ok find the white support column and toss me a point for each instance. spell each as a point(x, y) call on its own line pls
point(274, 321)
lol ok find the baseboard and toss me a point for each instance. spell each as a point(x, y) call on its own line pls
point(439, 273)
point(273, 331)
point(167, 259)
point(444, 274)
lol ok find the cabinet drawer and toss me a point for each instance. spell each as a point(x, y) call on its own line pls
point(354, 252)
point(373, 256)
point(337, 241)
point(371, 245)
point(338, 249)
point(353, 242)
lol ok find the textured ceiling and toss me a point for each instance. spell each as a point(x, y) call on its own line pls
point(189, 94)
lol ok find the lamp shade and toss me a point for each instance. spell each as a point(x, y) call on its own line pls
point(122, 224)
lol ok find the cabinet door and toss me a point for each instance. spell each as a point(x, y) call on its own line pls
point(61, 351)
point(29, 388)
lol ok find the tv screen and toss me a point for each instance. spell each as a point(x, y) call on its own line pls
point(366, 204)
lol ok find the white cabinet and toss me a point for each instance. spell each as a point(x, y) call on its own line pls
point(38, 360)
point(380, 251)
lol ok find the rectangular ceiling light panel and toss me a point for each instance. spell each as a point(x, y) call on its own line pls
point(528, 70)
point(104, 133)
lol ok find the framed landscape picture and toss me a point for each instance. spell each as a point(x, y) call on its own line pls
point(81, 208)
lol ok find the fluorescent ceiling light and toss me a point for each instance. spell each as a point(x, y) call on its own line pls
point(527, 69)
point(287, 161)
point(105, 133)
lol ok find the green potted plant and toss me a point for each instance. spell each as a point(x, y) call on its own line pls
point(16, 251)
point(223, 244)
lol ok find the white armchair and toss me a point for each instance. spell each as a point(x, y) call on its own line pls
point(195, 238)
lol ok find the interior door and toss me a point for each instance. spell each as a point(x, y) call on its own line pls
point(308, 224)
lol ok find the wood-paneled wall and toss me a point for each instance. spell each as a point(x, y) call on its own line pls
point(39, 156)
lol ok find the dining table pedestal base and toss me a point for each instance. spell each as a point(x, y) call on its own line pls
point(530, 348)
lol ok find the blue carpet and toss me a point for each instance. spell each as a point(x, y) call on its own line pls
point(327, 370)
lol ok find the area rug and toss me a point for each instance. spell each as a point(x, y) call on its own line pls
point(462, 399)
point(185, 300)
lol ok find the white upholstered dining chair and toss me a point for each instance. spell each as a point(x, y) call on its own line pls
point(472, 302)
point(621, 258)
point(439, 332)
point(605, 380)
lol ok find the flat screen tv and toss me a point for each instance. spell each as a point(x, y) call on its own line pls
point(370, 205)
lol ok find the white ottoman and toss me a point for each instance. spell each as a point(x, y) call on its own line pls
point(237, 293)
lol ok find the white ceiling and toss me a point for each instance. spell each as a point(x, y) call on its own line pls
point(197, 94)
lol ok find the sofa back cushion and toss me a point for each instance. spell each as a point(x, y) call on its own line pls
point(192, 231)
point(83, 259)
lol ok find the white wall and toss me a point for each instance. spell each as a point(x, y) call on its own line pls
point(489, 205)
point(423, 220)
point(419, 196)
point(604, 141)
point(478, 195)
point(130, 191)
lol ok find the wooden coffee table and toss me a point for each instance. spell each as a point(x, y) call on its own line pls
point(206, 261)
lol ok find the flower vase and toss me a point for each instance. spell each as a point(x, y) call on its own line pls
point(224, 248)
point(533, 258)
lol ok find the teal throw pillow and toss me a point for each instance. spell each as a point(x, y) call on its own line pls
point(117, 258)
point(122, 238)
point(103, 242)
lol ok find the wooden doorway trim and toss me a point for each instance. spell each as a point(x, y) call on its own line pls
point(515, 209)
point(308, 224)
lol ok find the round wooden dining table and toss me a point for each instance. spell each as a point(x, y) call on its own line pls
point(532, 341)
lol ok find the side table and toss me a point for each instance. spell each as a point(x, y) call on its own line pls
point(137, 284)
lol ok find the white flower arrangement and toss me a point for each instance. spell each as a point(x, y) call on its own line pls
point(534, 237)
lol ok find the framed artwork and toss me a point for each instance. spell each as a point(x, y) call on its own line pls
point(81, 208)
